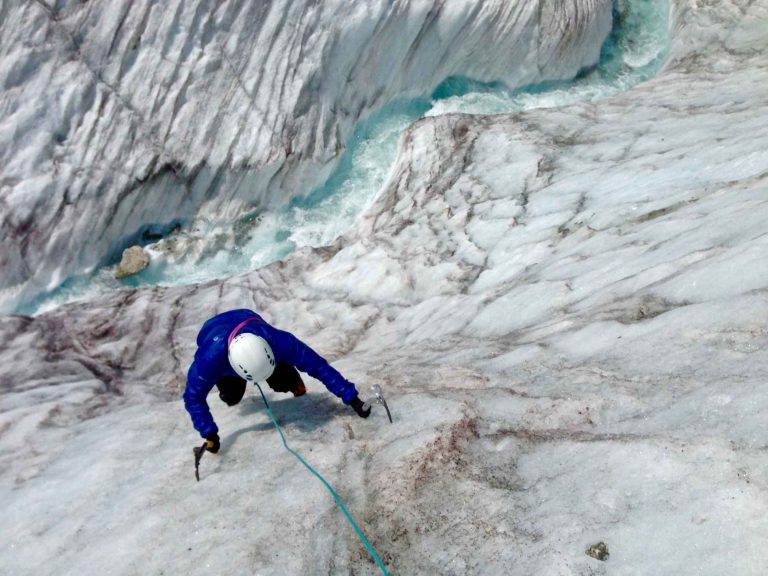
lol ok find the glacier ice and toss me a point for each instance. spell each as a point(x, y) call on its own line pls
point(158, 114)
point(208, 249)
point(566, 306)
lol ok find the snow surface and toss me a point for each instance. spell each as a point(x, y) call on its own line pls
point(566, 307)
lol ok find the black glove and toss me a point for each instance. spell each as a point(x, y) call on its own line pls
point(359, 407)
point(213, 443)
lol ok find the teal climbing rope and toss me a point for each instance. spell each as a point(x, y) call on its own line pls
point(296, 455)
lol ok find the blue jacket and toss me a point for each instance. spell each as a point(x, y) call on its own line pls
point(211, 363)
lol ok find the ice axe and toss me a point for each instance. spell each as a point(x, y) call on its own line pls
point(379, 399)
point(199, 451)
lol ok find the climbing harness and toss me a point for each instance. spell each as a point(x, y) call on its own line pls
point(240, 327)
point(326, 484)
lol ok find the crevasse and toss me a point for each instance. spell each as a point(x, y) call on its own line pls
point(214, 246)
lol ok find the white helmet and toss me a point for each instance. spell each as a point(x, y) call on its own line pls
point(251, 357)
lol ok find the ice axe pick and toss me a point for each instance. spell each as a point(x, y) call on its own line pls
point(199, 451)
point(379, 399)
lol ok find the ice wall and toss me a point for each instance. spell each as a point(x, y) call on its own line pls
point(116, 115)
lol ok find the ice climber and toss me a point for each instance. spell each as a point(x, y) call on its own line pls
point(237, 347)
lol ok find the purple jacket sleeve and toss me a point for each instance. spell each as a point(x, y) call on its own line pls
point(288, 348)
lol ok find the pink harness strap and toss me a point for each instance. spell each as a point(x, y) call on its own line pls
point(240, 326)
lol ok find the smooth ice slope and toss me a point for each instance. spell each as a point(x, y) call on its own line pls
point(567, 307)
point(146, 113)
